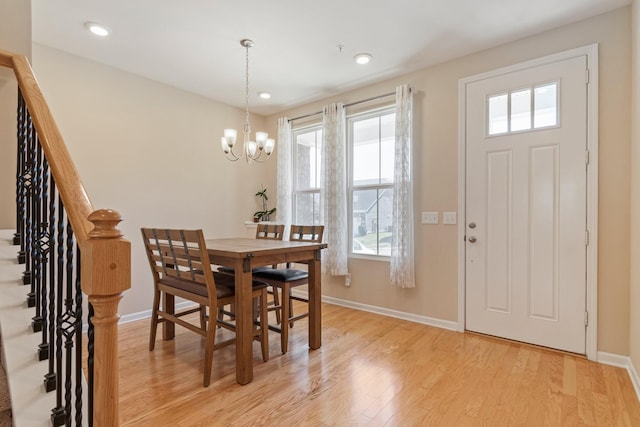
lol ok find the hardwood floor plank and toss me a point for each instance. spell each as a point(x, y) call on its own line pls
point(371, 371)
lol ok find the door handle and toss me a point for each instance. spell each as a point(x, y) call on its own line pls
point(472, 239)
point(472, 225)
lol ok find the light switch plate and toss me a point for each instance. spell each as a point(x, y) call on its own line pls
point(449, 217)
point(429, 217)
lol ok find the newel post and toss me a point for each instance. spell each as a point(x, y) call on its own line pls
point(106, 273)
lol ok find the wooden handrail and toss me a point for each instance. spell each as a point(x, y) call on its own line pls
point(106, 255)
point(73, 194)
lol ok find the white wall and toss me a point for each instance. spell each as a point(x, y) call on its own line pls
point(15, 37)
point(149, 151)
point(634, 309)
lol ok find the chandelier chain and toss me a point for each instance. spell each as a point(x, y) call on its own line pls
point(246, 83)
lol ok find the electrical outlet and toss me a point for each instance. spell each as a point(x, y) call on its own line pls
point(429, 217)
point(449, 218)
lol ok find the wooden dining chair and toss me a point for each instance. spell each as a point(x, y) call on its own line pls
point(270, 231)
point(180, 267)
point(286, 279)
point(263, 231)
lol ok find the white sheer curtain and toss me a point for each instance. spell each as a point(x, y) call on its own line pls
point(333, 191)
point(402, 263)
point(285, 176)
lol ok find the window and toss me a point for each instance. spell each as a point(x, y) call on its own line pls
point(512, 111)
point(370, 150)
point(307, 155)
point(371, 140)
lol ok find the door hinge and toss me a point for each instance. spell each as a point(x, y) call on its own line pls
point(586, 237)
point(586, 157)
point(586, 318)
point(586, 76)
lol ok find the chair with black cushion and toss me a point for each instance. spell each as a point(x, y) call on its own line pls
point(263, 231)
point(286, 279)
point(180, 267)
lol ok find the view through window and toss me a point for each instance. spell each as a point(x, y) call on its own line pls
point(371, 147)
point(370, 142)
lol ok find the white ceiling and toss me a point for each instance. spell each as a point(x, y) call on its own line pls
point(195, 44)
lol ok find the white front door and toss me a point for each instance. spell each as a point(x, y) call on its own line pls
point(526, 204)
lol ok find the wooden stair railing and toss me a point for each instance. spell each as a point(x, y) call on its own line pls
point(104, 273)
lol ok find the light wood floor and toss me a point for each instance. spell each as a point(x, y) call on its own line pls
point(371, 371)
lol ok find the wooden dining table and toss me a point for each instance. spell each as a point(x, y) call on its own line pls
point(244, 254)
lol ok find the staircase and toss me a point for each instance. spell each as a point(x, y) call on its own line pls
point(53, 210)
point(23, 400)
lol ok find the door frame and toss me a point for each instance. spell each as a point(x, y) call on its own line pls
point(591, 52)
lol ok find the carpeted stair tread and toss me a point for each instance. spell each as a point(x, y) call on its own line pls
point(6, 420)
point(5, 402)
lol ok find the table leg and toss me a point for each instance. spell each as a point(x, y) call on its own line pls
point(315, 299)
point(244, 324)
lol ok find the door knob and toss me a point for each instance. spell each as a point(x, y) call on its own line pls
point(472, 239)
point(472, 225)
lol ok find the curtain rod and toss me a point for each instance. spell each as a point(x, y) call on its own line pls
point(346, 105)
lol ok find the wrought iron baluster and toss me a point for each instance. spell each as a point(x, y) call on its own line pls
point(44, 246)
point(36, 279)
point(50, 377)
point(18, 237)
point(58, 415)
point(78, 337)
point(68, 323)
point(27, 176)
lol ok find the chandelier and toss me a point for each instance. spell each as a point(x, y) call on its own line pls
point(258, 150)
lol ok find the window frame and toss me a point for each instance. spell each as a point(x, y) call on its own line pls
point(532, 102)
point(313, 127)
point(379, 111)
point(363, 114)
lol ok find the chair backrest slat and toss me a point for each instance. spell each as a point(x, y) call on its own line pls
point(180, 254)
point(270, 231)
point(306, 233)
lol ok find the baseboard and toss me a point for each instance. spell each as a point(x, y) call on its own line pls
point(146, 314)
point(622, 362)
point(425, 320)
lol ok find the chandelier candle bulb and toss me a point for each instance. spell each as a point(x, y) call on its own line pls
point(251, 148)
point(230, 136)
point(225, 145)
point(268, 146)
point(261, 139)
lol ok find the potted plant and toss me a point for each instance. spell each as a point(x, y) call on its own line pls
point(265, 213)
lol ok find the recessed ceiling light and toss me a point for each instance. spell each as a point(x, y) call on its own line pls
point(97, 29)
point(362, 58)
point(264, 95)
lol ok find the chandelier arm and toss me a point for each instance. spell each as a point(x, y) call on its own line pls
point(233, 157)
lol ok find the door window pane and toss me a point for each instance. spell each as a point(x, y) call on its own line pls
point(546, 106)
point(521, 110)
point(498, 108)
point(512, 111)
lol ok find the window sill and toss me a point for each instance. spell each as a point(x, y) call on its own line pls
point(383, 258)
